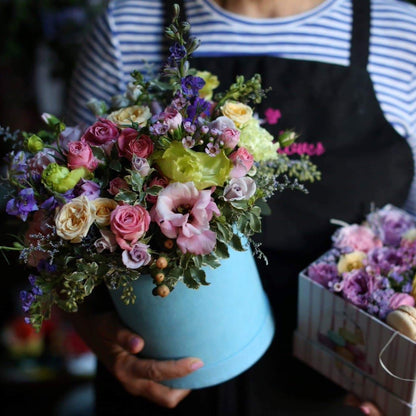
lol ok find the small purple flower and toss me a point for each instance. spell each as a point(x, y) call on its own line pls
point(177, 51)
point(87, 188)
point(26, 298)
point(138, 256)
point(159, 129)
point(323, 273)
point(191, 85)
point(23, 204)
point(140, 165)
point(189, 127)
point(18, 168)
point(36, 290)
point(179, 102)
point(49, 204)
point(212, 149)
point(383, 259)
point(188, 142)
point(45, 266)
point(198, 106)
point(391, 223)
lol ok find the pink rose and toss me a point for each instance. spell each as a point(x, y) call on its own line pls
point(171, 118)
point(101, 132)
point(183, 212)
point(357, 238)
point(129, 223)
point(242, 160)
point(230, 137)
point(80, 155)
point(157, 181)
point(116, 185)
point(140, 165)
point(130, 143)
point(399, 299)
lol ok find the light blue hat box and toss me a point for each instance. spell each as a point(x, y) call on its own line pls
point(228, 324)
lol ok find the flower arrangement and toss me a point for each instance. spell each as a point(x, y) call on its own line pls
point(168, 178)
point(373, 264)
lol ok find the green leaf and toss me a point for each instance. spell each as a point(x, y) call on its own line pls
point(154, 190)
point(75, 276)
point(212, 261)
point(115, 165)
point(235, 243)
point(255, 222)
point(189, 280)
point(200, 276)
point(126, 196)
point(89, 286)
point(98, 152)
point(136, 181)
point(221, 250)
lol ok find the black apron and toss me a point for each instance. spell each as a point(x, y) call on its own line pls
point(365, 162)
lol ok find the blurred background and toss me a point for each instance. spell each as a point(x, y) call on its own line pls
point(47, 373)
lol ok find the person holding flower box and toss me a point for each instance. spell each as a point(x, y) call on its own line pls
point(348, 95)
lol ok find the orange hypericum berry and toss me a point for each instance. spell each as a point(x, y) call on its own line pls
point(159, 277)
point(168, 244)
point(162, 291)
point(161, 262)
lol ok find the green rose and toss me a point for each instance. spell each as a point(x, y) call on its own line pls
point(34, 144)
point(184, 165)
point(61, 179)
point(258, 141)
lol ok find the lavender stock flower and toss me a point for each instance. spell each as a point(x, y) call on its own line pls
point(191, 85)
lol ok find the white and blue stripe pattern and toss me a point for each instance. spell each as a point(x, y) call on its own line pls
point(129, 38)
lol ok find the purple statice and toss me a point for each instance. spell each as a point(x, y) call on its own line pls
point(36, 290)
point(390, 224)
point(45, 266)
point(379, 302)
point(323, 272)
point(90, 189)
point(196, 108)
point(358, 285)
point(24, 204)
point(407, 251)
point(191, 85)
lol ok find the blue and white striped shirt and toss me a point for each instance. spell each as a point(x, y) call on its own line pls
point(128, 37)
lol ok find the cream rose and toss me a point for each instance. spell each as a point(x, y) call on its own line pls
point(104, 207)
point(238, 112)
point(74, 219)
point(351, 261)
point(134, 114)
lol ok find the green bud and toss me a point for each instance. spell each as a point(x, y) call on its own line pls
point(35, 144)
point(287, 138)
point(97, 107)
point(53, 122)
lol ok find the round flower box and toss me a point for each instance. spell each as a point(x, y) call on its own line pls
point(228, 324)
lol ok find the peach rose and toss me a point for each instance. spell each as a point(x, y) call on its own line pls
point(103, 209)
point(74, 219)
point(128, 115)
point(238, 112)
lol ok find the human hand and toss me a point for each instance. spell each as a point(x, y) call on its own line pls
point(366, 407)
point(115, 346)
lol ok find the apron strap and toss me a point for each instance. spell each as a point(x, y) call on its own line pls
point(360, 37)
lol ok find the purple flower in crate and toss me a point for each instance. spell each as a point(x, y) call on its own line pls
point(358, 287)
point(390, 224)
point(382, 260)
point(323, 273)
point(379, 303)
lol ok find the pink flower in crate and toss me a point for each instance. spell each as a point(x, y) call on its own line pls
point(356, 238)
point(399, 299)
point(129, 223)
point(184, 213)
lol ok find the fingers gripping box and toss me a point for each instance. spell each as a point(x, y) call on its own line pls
point(355, 350)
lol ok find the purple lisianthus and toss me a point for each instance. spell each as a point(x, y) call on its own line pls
point(23, 204)
point(358, 287)
point(138, 256)
point(50, 204)
point(90, 189)
point(323, 273)
point(191, 85)
point(383, 259)
point(18, 168)
point(391, 223)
